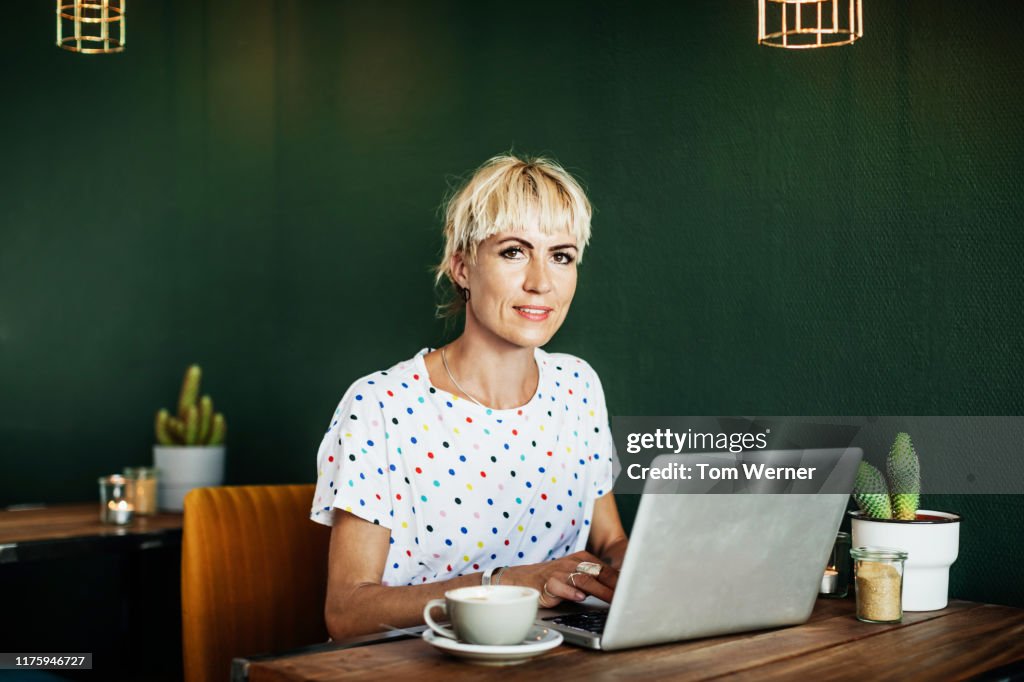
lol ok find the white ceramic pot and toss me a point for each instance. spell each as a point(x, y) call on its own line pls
point(184, 467)
point(932, 545)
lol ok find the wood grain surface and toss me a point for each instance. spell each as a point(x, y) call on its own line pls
point(957, 642)
point(74, 521)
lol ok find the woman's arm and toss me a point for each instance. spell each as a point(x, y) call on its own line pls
point(607, 537)
point(358, 604)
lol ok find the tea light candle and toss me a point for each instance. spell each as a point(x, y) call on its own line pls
point(119, 513)
point(829, 581)
point(117, 499)
point(835, 583)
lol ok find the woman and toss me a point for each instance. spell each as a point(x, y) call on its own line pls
point(488, 460)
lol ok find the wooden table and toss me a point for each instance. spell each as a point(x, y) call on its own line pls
point(962, 641)
point(73, 529)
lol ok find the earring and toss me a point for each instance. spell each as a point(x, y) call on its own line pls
point(465, 294)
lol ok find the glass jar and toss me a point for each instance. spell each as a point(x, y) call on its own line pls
point(145, 488)
point(835, 583)
point(117, 500)
point(878, 574)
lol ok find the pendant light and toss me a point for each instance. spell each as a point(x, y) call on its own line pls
point(807, 24)
point(91, 26)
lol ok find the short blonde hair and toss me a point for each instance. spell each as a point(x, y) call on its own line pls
point(508, 193)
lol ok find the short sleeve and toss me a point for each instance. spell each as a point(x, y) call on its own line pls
point(352, 461)
point(601, 439)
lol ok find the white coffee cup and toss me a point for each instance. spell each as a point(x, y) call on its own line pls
point(486, 614)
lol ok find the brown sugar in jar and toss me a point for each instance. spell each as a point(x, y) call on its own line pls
point(878, 576)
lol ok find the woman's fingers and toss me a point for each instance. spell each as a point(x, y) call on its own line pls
point(558, 588)
point(608, 576)
point(548, 599)
point(591, 585)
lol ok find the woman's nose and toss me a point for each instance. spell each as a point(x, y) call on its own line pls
point(538, 277)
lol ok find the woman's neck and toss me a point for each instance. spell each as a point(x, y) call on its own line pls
point(496, 373)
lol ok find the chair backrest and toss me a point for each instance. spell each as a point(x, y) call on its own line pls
point(253, 575)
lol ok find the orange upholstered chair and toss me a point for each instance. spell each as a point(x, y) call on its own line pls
point(253, 575)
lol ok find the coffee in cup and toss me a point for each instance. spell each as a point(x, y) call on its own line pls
point(486, 614)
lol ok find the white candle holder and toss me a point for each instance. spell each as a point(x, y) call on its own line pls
point(836, 580)
point(117, 500)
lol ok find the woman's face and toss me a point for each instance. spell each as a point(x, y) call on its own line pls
point(521, 284)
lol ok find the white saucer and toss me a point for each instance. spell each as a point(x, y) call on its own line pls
point(538, 640)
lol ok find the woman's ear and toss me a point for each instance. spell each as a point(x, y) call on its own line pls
point(460, 269)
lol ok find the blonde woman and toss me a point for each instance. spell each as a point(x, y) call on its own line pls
point(488, 460)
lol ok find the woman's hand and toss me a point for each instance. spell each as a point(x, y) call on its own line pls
point(552, 579)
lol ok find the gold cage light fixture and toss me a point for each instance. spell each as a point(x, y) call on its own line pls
point(91, 26)
point(806, 24)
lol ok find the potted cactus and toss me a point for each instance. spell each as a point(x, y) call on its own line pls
point(889, 517)
point(190, 444)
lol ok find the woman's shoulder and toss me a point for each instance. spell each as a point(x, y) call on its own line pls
point(571, 365)
point(405, 375)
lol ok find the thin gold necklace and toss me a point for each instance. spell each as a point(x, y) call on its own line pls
point(451, 376)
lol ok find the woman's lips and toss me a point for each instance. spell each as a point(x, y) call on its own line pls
point(534, 313)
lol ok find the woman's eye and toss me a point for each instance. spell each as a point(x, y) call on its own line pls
point(512, 252)
point(563, 258)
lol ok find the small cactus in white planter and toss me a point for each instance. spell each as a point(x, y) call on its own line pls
point(195, 423)
point(190, 444)
point(889, 517)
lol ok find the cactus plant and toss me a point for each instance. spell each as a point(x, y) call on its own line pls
point(903, 471)
point(897, 494)
point(870, 492)
point(195, 423)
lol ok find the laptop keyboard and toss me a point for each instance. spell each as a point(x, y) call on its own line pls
point(588, 621)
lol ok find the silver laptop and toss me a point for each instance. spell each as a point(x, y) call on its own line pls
point(709, 564)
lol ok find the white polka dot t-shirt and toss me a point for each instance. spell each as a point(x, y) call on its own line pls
point(463, 487)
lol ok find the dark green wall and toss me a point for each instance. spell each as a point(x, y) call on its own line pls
point(253, 186)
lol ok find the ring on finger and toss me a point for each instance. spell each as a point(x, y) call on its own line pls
point(588, 567)
point(546, 593)
point(572, 576)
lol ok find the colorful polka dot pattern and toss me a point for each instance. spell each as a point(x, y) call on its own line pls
point(463, 487)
